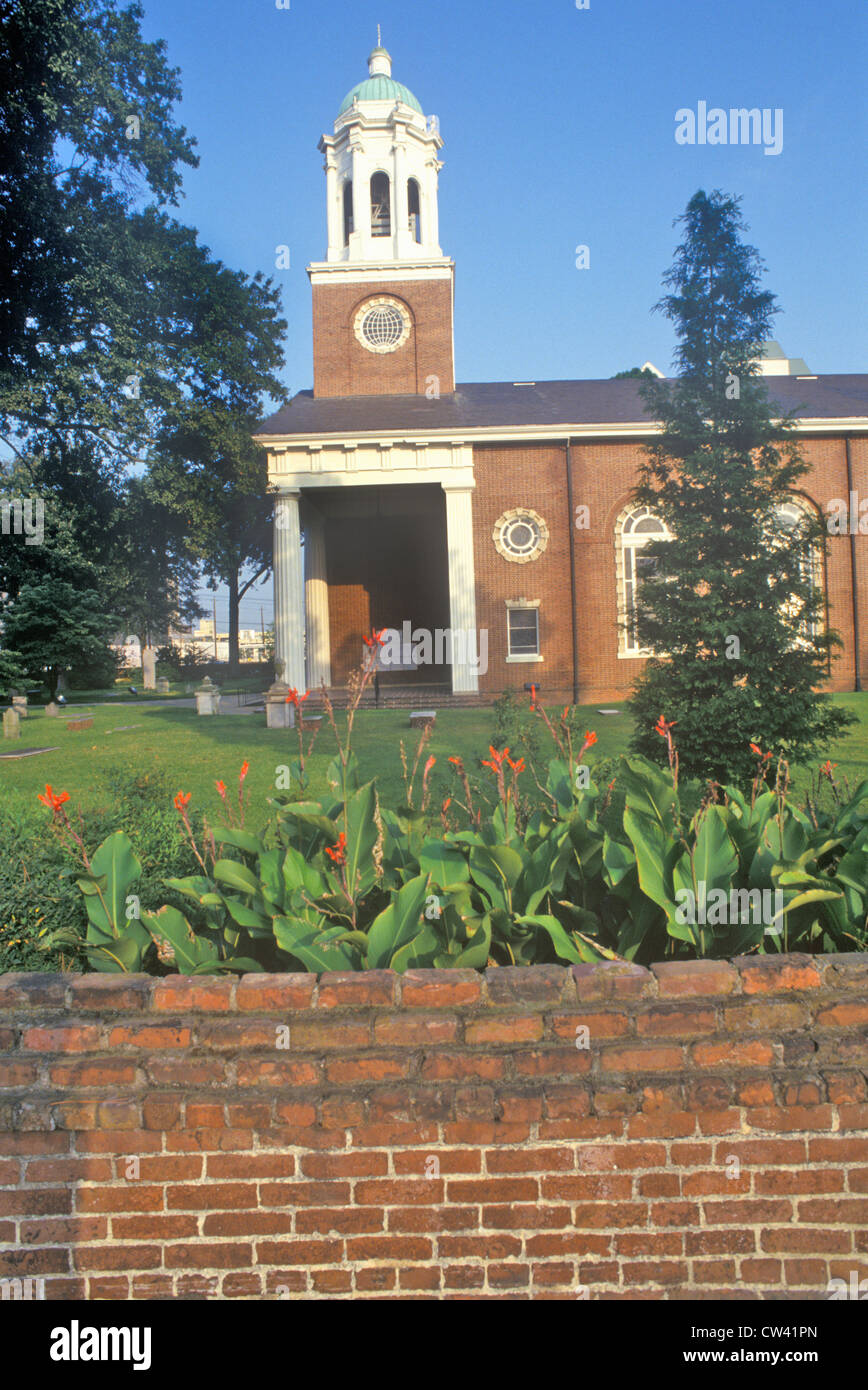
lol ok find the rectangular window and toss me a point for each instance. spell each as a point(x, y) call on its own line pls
point(523, 634)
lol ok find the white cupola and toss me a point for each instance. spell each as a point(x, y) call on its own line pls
point(382, 172)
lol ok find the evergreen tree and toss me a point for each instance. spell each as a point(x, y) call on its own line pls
point(732, 599)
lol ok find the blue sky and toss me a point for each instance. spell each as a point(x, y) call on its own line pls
point(559, 128)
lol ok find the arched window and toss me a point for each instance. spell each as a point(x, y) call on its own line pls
point(348, 211)
point(414, 204)
point(381, 205)
point(634, 529)
point(790, 517)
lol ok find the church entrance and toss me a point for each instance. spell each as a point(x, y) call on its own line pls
point(386, 567)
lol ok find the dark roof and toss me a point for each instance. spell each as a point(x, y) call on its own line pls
point(491, 404)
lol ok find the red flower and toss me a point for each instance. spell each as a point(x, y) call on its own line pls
point(428, 766)
point(54, 800)
point(245, 768)
point(457, 761)
point(181, 800)
point(293, 698)
point(517, 766)
point(827, 768)
point(221, 787)
point(662, 728)
point(446, 804)
point(754, 748)
point(533, 697)
point(376, 638)
point(338, 853)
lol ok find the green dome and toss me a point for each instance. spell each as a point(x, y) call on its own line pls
point(380, 88)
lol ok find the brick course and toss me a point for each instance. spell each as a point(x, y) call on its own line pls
point(439, 1135)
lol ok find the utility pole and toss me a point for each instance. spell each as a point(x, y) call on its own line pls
point(214, 612)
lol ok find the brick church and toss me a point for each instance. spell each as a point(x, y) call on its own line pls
point(451, 514)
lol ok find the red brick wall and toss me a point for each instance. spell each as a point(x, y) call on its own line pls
point(604, 474)
point(342, 367)
point(439, 1134)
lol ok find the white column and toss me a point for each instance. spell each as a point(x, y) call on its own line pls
point(333, 209)
point(360, 241)
point(400, 204)
point(316, 599)
point(462, 587)
point(288, 590)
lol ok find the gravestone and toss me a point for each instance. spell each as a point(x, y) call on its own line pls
point(421, 718)
point(19, 703)
point(76, 725)
point(11, 724)
point(207, 697)
point(149, 668)
point(52, 710)
point(162, 686)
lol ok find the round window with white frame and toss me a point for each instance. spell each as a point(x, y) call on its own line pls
point(520, 535)
point(382, 324)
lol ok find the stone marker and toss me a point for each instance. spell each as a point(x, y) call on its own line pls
point(162, 686)
point(279, 714)
point(76, 725)
point(52, 710)
point(421, 718)
point(207, 697)
point(11, 724)
point(19, 703)
point(149, 668)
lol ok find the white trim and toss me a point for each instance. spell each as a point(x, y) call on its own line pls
point(520, 434)
point(378, 272)
point(515, 660)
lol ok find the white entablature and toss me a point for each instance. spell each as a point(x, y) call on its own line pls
point(371, 463)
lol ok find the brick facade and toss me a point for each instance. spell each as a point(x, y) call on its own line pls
point(343, 367)
point(534, 475)
point(441, 1134)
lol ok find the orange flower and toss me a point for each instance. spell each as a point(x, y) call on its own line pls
point(456, 761)
point(181, 800)
point(446, 804)
point(827, 769)
point(376, 638)
point(245, 768)
point(338, 853)
point(293, 698)
point(428, 766)
point(755, 748)
point(517, 766)
point(662, 728)
point(221, 787)
point(497, 759)
point(533, 697)
point(54, 800)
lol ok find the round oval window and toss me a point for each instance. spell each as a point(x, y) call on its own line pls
point(520, 535)
point(383, 326)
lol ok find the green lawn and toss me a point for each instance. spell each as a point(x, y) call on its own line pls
point(193, 753)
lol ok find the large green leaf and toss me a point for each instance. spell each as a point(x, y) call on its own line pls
point(191, 951)
point(397, 924)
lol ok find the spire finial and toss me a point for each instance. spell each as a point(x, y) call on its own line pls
point(379, 40)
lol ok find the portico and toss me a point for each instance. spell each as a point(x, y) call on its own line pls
point(323, 485)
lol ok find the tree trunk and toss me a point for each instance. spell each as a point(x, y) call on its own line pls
point(234, 610)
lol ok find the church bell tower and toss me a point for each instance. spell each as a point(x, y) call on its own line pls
point(383, 296)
